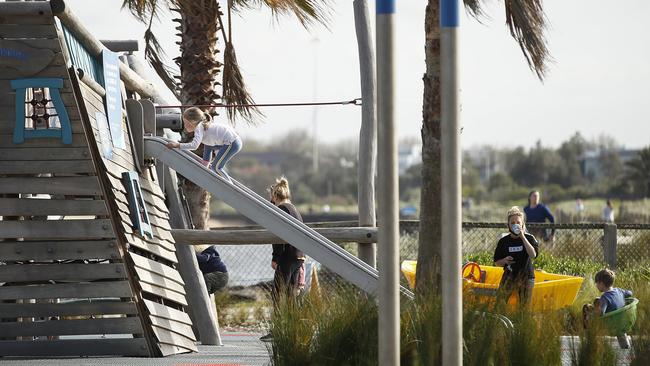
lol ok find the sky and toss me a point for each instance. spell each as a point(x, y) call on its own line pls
point(598, 82)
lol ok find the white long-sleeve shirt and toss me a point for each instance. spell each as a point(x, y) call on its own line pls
point(215, 135)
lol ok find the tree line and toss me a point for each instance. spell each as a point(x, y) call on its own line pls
point(578, 168)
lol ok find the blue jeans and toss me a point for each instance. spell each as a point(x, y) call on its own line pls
point(223, 154)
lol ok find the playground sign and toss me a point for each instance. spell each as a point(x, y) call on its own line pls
point(111, 68)
point(104, 135)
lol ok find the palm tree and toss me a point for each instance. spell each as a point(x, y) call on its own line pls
point(200, 23)
point(527, 22)
point(638, 172)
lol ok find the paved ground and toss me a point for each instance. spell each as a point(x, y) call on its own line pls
point(239, 349)
point(569, 344)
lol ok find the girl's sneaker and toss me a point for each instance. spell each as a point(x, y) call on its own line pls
point(224, 175)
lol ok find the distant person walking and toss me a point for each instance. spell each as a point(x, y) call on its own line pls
point(536, 212)
point(608, 212)
point(220, 141)
point(580, 209)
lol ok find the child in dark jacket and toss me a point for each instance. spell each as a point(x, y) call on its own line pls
point(214, 270)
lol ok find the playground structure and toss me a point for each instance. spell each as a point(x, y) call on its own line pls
point(88, 202)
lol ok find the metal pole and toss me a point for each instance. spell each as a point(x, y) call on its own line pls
point(389, 332)
point(452, 331)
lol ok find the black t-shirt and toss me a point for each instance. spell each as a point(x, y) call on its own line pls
point(514, 247)
point(286, 253)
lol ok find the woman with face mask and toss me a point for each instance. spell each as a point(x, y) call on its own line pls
point(515, 253)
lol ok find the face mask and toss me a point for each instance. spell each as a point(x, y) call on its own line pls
point(515, 229)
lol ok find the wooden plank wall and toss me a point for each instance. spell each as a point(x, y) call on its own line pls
point(153, 259)
point(64, 274)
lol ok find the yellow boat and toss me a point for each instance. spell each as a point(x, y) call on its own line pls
point(551, 291)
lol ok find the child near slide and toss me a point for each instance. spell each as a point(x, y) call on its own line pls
point(218, 139)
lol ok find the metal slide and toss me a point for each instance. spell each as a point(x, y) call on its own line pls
point(266, 214)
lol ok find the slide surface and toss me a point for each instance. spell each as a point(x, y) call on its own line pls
point(264, 213)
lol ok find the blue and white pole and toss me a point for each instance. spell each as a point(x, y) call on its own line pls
point(452, 316)
point(388, 238)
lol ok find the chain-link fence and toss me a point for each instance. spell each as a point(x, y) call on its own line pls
point(621, 246)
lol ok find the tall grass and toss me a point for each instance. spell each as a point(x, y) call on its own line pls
point(340, 328)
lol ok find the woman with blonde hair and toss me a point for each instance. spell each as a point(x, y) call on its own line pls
point(216, 138)
point(287, 261)
point(515, 253)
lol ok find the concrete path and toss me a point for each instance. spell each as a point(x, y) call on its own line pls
point(572, 344)
point(239, 349)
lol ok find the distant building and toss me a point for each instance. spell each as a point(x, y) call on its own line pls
point(409, 155)
point(591, 163)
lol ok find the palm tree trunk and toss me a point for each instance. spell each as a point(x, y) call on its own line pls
point(368, 132)
point(429, 246)
point(199, 69)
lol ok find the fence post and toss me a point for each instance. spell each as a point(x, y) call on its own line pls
point(609, 241)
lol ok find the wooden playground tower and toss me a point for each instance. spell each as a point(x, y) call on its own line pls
point(90, 265)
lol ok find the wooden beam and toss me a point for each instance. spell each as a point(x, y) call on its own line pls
point(129, 325)
point(120, 45)
point(157, 267)
point(132, 80)
point(174, 338)
point(36, 206)
point(90, 83)
point(227, 237)
point(31, 8)
point(76, 347)
point(78, 140)
point(8, 122)
point(52, 250)
point(166, 312)
point(47, 166)
point(70, 309)
point(61, 272)
point(82, 186)
point(57, 229)
point(116, 289)
point(17, 153)
point(155, 279)
point(163, 293)
point(19, 31)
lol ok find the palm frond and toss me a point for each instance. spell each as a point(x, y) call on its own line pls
point(155, 55)
point(235, 91)
point(474, 8)
point(145, 11)
point(308, 12)
point(142, 9)
point(527, 23)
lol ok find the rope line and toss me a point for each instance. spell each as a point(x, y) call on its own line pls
point(356, 102)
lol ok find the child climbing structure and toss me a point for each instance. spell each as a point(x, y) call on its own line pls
point(89, 263)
